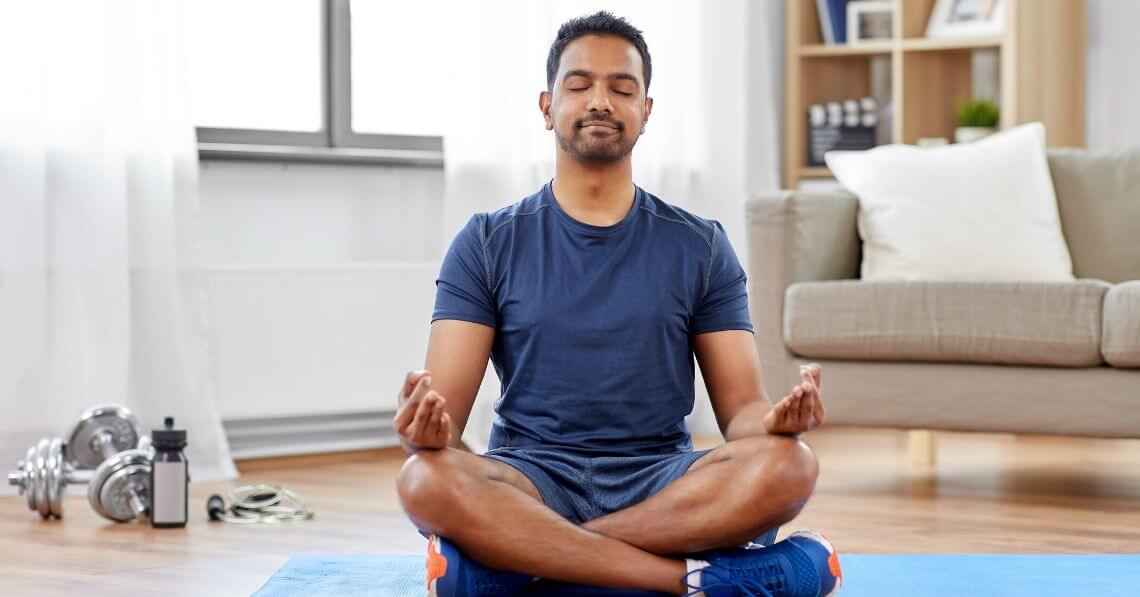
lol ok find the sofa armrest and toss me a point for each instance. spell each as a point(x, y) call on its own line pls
point(794, 236)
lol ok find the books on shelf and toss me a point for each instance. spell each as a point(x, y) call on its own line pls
point(832, 20)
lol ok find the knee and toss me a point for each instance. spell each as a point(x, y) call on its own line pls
point(427, 483)
point(798, 468)
point(789, 467)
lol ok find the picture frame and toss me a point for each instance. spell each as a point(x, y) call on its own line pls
point(966, 18)
point(870, 21)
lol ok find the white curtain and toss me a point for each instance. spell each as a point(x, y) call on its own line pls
point(713, 135)
point(101, 290)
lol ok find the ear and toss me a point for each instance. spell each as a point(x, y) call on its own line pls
point(648, 110)
point(544, 100)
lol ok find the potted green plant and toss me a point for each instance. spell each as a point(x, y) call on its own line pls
point(977, 118)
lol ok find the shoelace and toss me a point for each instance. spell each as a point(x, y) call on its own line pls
point(747, 586)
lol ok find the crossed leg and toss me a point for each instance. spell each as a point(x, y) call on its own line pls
point(494, 513)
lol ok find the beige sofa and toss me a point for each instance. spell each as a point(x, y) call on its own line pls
point(1023, 357)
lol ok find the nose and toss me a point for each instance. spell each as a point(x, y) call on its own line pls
point(600, 100)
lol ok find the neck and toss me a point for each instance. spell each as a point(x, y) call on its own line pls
point(600, 195)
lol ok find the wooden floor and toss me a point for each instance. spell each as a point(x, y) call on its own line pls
point(988, 493)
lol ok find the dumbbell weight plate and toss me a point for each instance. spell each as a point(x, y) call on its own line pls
point(53, 480)
point(43, 478)
point(109, 492)
point(39, 463)
point(113, 419)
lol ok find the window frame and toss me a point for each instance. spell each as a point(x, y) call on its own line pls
point(336, 142)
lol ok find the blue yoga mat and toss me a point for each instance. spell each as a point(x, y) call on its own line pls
point(997, 575)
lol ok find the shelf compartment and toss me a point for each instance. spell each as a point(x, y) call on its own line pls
point(860, 49)
point(935, 45)
point(932, 85)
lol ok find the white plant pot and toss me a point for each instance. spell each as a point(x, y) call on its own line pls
point(966, 134)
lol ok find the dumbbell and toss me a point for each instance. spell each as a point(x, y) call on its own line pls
point(102, 432)
point(119, 490)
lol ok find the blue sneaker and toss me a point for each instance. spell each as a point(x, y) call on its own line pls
point(803, 565)
point(449, 572)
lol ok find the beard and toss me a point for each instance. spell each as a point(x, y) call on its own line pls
point(590, 149)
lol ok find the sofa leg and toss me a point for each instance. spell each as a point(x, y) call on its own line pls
point(921, 445)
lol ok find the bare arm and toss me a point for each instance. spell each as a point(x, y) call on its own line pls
point(730, 366)
point(434, 404)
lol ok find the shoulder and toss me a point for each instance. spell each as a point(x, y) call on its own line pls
point(684, 222)
point(491, 223)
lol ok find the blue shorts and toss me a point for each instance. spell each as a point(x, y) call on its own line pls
point(582, 487)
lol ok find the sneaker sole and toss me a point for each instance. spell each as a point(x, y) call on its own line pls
point(832, 558)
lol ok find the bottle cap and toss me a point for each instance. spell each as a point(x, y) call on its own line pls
point(168, 437)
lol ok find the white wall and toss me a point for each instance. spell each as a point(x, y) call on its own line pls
point(1113, 78)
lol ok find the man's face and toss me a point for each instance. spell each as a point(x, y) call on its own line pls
point(597, 107)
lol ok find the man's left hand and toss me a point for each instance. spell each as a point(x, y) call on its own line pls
point(802, 409)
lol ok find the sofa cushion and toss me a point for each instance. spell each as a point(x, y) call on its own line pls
point(1121, 343)
point(967, 211)
point(1098, 195)
point(1016, 323)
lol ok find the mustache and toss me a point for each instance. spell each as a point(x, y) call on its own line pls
point(598, 120)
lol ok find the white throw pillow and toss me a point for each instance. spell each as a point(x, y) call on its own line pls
point(981, 210)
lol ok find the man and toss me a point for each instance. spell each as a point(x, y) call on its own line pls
point(591, 298)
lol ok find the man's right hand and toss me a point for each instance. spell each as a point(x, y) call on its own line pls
point(421, 421)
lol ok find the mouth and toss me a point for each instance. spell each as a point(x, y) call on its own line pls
point(598, 128)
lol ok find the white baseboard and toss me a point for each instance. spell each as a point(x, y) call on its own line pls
point(309, 434)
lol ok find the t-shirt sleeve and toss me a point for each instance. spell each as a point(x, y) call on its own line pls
point(463, 288)
point(724, 305)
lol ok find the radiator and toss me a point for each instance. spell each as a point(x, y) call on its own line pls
point(310, 358)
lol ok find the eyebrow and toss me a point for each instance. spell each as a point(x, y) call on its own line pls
point(590, 75)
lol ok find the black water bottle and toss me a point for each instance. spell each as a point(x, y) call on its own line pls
point(169, 477)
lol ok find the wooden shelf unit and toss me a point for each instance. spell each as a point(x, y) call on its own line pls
point(1041, 66)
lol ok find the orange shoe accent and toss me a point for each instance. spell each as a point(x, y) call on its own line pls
point(436, 563)
point(833, 565)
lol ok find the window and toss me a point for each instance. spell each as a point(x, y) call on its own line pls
point(316, 80)
point(390, 93)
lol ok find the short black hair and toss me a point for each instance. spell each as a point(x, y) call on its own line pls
point(599, 23)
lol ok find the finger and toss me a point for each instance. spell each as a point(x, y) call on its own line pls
point(807, 382)
point(783, 406)
point(422, 387)
point(410, 381)
point(816, 371)
point(807, 377)
point(791, 404)
point(418, 421)
point(819, 410)
point(404, 415)
point(807, 414)
point(431, 429)
point(415, 423)
point(794, 417)
point(412, 403)
point(444, 432)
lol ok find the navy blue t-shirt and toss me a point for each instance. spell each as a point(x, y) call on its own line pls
point(593, 323)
